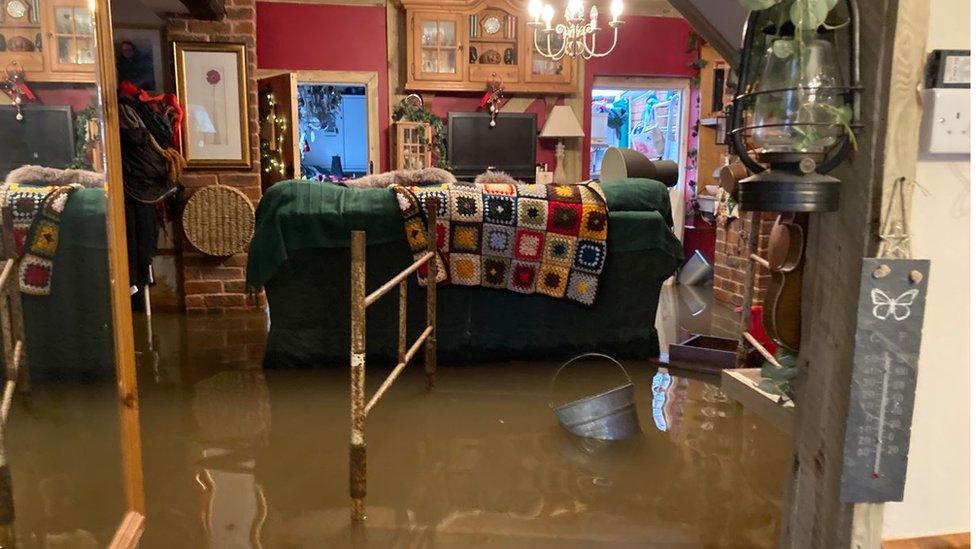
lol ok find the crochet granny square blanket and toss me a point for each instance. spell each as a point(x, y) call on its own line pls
point(36, 221)
point(526, 238)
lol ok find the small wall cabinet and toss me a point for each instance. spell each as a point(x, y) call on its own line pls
point(459, 45)
point(411, 146)
point(52, 40)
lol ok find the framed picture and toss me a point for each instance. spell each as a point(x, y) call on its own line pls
point(139, 56)
point(211, 85)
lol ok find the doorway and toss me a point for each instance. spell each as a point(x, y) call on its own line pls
point(332, 131)
point(648, 115)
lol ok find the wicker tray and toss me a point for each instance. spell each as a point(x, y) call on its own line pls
point(219, 220)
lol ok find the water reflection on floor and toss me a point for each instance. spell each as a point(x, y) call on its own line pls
point(238, 457)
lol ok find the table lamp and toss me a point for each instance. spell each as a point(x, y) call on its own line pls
point(562, 123)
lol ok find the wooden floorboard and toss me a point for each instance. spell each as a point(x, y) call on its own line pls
point(947, 541)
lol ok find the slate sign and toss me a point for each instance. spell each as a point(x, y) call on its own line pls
point(890, 311)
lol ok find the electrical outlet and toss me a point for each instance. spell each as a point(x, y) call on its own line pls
point(945, 122)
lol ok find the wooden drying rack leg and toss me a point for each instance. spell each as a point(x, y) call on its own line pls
point(359, 302)
point(357, 359)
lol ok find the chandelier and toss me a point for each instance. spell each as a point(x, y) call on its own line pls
point(577, 36)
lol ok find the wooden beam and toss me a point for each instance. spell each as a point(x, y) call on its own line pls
point(893, 34)
point(706, 29)
point(210, 10)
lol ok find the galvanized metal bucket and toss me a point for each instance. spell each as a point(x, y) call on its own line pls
point(610, 415)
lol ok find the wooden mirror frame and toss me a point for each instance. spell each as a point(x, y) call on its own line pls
point(133, 522)
point(369, 79)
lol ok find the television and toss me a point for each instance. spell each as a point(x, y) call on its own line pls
point(45, 137)
point(474, 145)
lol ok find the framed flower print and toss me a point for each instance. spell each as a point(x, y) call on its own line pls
point(211, 83)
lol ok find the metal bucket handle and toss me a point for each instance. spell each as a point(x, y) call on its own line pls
point(552, 382)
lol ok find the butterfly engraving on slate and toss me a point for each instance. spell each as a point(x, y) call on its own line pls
point(899, 307)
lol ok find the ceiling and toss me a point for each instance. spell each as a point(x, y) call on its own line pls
point(143, 12)
point(719, 22)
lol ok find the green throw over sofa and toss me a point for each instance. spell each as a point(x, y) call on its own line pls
point(300, 256)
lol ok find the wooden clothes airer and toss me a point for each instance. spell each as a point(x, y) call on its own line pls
point(359, 302)
point(14, 357)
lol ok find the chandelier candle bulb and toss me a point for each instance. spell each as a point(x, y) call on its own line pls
point(535, 10)
point(616, 10)
point(576, 35)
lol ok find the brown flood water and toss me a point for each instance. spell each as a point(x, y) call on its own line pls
point(237, 457)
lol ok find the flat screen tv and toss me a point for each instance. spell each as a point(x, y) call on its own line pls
point(474, 146)
point(45, 137)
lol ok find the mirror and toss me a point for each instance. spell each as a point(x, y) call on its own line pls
point(69, 439)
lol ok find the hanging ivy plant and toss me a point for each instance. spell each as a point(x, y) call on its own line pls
point(438, 131)
point(82, 158)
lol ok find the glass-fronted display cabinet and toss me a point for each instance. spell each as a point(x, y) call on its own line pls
point(48, 40)
point(437, 47)
point(462, 45)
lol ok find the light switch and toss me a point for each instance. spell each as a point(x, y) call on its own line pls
point(945, 121)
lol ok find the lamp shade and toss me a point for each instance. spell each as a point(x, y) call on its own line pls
point(562, 123)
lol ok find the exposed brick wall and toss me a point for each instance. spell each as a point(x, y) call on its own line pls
point(216, 285)
point(732, 256)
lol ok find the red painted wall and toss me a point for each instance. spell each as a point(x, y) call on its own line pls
point(327, 37)
point(337, 37)
point(77, 96)
point(647, 46)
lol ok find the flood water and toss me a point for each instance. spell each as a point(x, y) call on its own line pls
point(238, 457)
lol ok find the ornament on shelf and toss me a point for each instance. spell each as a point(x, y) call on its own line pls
point(14, 86)
point(492, 99)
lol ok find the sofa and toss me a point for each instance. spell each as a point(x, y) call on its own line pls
point(300, 257)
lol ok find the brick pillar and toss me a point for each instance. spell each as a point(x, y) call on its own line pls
point(731, 257)
point(216, 285)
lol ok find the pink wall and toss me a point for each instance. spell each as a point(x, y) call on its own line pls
point(327, 37)
point(648, 46)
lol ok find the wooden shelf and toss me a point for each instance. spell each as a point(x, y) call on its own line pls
point(509, 41)
point(742, 385)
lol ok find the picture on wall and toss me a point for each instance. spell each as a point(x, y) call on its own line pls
point(139, 57)
point(211, 84)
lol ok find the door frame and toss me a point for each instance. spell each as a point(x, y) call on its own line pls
point(132, 523)
point(658, 83)
point(369, 79)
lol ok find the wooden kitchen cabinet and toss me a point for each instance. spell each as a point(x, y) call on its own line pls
point(460, 45)
point(411, 142)
point(437, 49)
point(52, 40)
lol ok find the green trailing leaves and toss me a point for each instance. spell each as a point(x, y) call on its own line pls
point(805, 14)
point(778, 379)
point(438, 131)
point(784, 48)
point(756, 5)
point(810, 14)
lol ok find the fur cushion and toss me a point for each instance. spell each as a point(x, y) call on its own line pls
point(40, 175)
point(491, 177)
point(402, 177)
